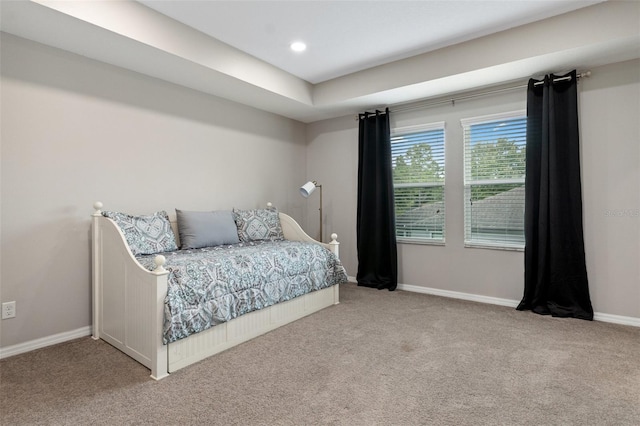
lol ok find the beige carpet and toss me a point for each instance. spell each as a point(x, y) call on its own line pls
point(378, 358)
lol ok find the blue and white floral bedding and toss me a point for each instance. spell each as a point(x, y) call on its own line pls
point(213, 285)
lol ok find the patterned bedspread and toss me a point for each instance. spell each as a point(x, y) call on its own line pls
point(216, 284)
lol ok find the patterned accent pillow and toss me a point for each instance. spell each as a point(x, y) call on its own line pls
point(145, 234)
point(258, 224)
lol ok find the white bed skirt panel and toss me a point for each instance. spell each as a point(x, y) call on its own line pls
point(224, 336)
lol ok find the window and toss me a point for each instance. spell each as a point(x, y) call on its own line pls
point(494, 170)
point(417, 156)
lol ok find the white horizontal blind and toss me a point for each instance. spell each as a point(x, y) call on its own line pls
point(417, 155)
point(494, 172)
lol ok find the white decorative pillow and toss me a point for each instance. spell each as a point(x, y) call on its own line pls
point(206, 229)
point(258, 224)
point(145, 234)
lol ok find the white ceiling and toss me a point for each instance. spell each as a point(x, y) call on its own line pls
point(348, 36)
point(361, 54)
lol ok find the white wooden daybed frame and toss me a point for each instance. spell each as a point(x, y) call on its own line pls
point(128, 303)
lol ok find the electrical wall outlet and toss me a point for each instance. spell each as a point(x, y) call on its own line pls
point(8, 310)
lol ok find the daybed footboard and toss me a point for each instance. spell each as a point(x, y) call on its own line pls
point(128, 304)
point(128, 300)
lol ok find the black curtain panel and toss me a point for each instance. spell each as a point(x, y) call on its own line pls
point(376, 233)
point(555, 270)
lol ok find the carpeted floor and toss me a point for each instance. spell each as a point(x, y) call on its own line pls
point(378, 358)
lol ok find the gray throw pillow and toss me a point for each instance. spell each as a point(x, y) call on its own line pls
point(206, 229)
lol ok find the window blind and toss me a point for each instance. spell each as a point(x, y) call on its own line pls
point(418, 162)
point(494, 172)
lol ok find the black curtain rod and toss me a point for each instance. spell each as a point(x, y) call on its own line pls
point(568, 77)
point(377, 111)
point(425, 104)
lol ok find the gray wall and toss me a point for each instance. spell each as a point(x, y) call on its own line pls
point(610, 140)
point(75, 131)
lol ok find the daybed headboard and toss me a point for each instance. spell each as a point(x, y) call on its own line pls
point(174, 228)
point(290, 228)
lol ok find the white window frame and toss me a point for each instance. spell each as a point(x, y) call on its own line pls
point(466, 124)
point(399, 131)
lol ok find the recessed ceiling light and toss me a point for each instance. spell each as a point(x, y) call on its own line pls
point(298, 46)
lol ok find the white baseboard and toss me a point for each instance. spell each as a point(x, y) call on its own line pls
point(597, 316)
point(459, 295)
point(86, 331)
point(44, 341)
point(616, 319)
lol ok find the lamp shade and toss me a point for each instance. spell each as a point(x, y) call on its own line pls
point(307, 189)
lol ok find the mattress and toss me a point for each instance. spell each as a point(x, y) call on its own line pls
point(213, 285)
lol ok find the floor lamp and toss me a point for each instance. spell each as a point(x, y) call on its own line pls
point(306, 190)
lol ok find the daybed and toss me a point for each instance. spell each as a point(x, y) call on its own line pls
point(133, 293)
